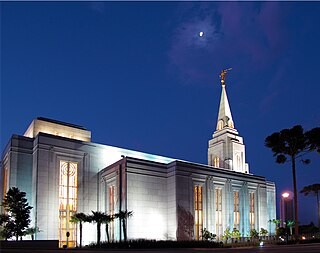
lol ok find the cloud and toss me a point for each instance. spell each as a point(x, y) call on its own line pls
point(245, 35)
point(188, 53)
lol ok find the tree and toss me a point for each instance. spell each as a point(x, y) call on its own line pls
point(236, 234)
point(32, 231)
point(290, 224)
point(123, 216)
point(277, 224)
point(107, 219)
point(315, 190)
point(254, 234)
point(207, 235)
point(263, 232)
point(79, 218)
point(6, 227)
point(313, 137)
point(289, 145)
point(97, 217)
point(18, 211)
point(227, 234)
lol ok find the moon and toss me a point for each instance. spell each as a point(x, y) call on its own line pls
point(201, 34)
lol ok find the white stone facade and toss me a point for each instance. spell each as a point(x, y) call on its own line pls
point(63, 172)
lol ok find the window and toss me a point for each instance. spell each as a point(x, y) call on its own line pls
point(68, 196)
point(111, 210)
point(216, 162)
point(198, 219)
point(218, 208)
point(251, 215)
point(236, 212)
point(220, 124)
point(5, 179)
point(238, 162)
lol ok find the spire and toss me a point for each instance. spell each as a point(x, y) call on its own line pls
point(224, 116)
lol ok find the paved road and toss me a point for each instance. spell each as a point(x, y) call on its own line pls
point(302, 248)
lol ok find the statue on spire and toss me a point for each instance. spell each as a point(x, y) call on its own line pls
point(223, 75)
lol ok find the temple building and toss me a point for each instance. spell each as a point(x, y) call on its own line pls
point(63, 173)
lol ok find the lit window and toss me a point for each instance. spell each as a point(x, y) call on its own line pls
point(251, 215)
point(5, 179)
point(230, 123)
point(68, 196)
point(220, 124)
point(198, 219)
point(218, 208)
point(111, 210)
point(236, 211)
point(238, 162)
point(216, 162)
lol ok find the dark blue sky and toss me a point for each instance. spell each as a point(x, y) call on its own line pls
point(138, 75)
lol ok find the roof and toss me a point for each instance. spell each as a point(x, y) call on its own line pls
point(61, 123)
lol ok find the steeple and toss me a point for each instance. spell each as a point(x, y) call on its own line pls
point(224, 115)
point(226, 148)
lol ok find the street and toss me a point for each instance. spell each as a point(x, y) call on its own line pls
point(299, 248)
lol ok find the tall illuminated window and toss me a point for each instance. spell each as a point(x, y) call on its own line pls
point(216, 162)
point(218, 208)
point(111, 210)
point(198, 219)
point(236, 211)
point(68, 196)
point(238, 162)
point(5, 180)
point(251, 214)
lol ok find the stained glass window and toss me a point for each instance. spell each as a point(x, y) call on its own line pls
point(218, 208)
point(251, 215)
point(198, 219)
point(68, 196)
point(236, 212)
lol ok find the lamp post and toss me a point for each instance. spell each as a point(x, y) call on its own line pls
point(286, 210)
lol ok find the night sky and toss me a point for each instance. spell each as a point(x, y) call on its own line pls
point(139, 76)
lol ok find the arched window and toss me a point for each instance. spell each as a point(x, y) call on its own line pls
point(236, 210)
point(216, 162)
point(220, 124)
point(238, 162)
point(230, 123)
point(68, 198)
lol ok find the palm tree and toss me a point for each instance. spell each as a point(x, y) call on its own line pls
point(79, 218)
point(290, 224)
point(277, 224)
point(315, 190)
point(290, 144)
point(107, 219)
point(32, 231)
point(98, 217)
point(123, 216)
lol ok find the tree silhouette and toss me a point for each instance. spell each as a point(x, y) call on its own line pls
point(313, 137)
point(107, 219)
point(6, 227)
point(315, 190)
point(18, 211)
point(32, 231)
point(123, 216)
point(97, 217)
point(79, 218)
point(288, 145)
